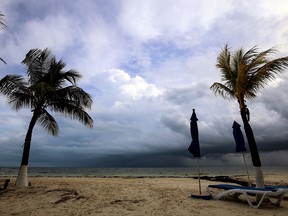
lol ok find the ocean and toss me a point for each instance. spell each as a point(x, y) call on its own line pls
point(174, 172)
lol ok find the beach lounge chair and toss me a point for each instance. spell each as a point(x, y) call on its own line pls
point(275, 187)
point(236, 191)
point(5, 184)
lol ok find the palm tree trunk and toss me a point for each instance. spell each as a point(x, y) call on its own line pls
point(259, 180)
point(22, 180)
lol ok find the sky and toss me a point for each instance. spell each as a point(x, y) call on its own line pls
point(147, 64)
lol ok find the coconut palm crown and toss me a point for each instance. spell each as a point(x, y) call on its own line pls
point(243, 74)
point(48, 86)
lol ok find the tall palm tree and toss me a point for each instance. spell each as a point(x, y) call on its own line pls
point(243, 74)
point(48, 86)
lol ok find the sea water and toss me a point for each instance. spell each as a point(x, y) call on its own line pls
point(176, 172)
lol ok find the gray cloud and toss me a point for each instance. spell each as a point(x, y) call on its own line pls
point(275, 100)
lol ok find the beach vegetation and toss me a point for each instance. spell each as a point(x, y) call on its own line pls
point(47, 88)
point(243, 74)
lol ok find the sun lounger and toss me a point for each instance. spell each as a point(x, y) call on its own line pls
point(247, 192)
point(5, 184)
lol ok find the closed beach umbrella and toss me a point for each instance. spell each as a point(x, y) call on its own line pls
point(240, 144)
point(238, 137)
point(194, 147)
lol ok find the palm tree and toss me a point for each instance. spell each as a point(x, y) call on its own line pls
point(2, 26)
point(243, 74)
point(47, 86)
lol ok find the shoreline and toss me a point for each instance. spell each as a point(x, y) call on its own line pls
point(237, 179)
point(139, 171)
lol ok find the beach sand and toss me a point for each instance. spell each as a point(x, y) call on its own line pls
point(123, 196)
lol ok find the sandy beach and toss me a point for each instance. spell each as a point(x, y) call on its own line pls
point(123, 196)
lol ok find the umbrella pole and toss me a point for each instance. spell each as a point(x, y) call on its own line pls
point(249, 181)
point(199, 181)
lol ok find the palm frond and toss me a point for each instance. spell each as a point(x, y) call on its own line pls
point(21, 99)
point(266, 73)
point(223, 63)
point(228, 74)
point(11, 83)
point(48, 122)
point(71, 76)
point(73, 110)
point(236, 61)
point(57, 77)
point(3, 61)
point(71, 102)
point(70, 93)
point(54, 75)
point(240, 66)
point(2, 21)
point(224, 91)
point(250, 55)
point(78, 95)
point(38, 64)
point(79, 114)
point(257, 60)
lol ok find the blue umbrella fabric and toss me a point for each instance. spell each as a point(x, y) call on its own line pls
point(238, 137)
point(240, 145)
point(194, 147)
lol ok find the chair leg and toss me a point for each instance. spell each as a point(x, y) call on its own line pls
point(280, 199)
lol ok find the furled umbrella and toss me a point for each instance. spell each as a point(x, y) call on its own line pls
point(194, 147)
point(240, 144)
